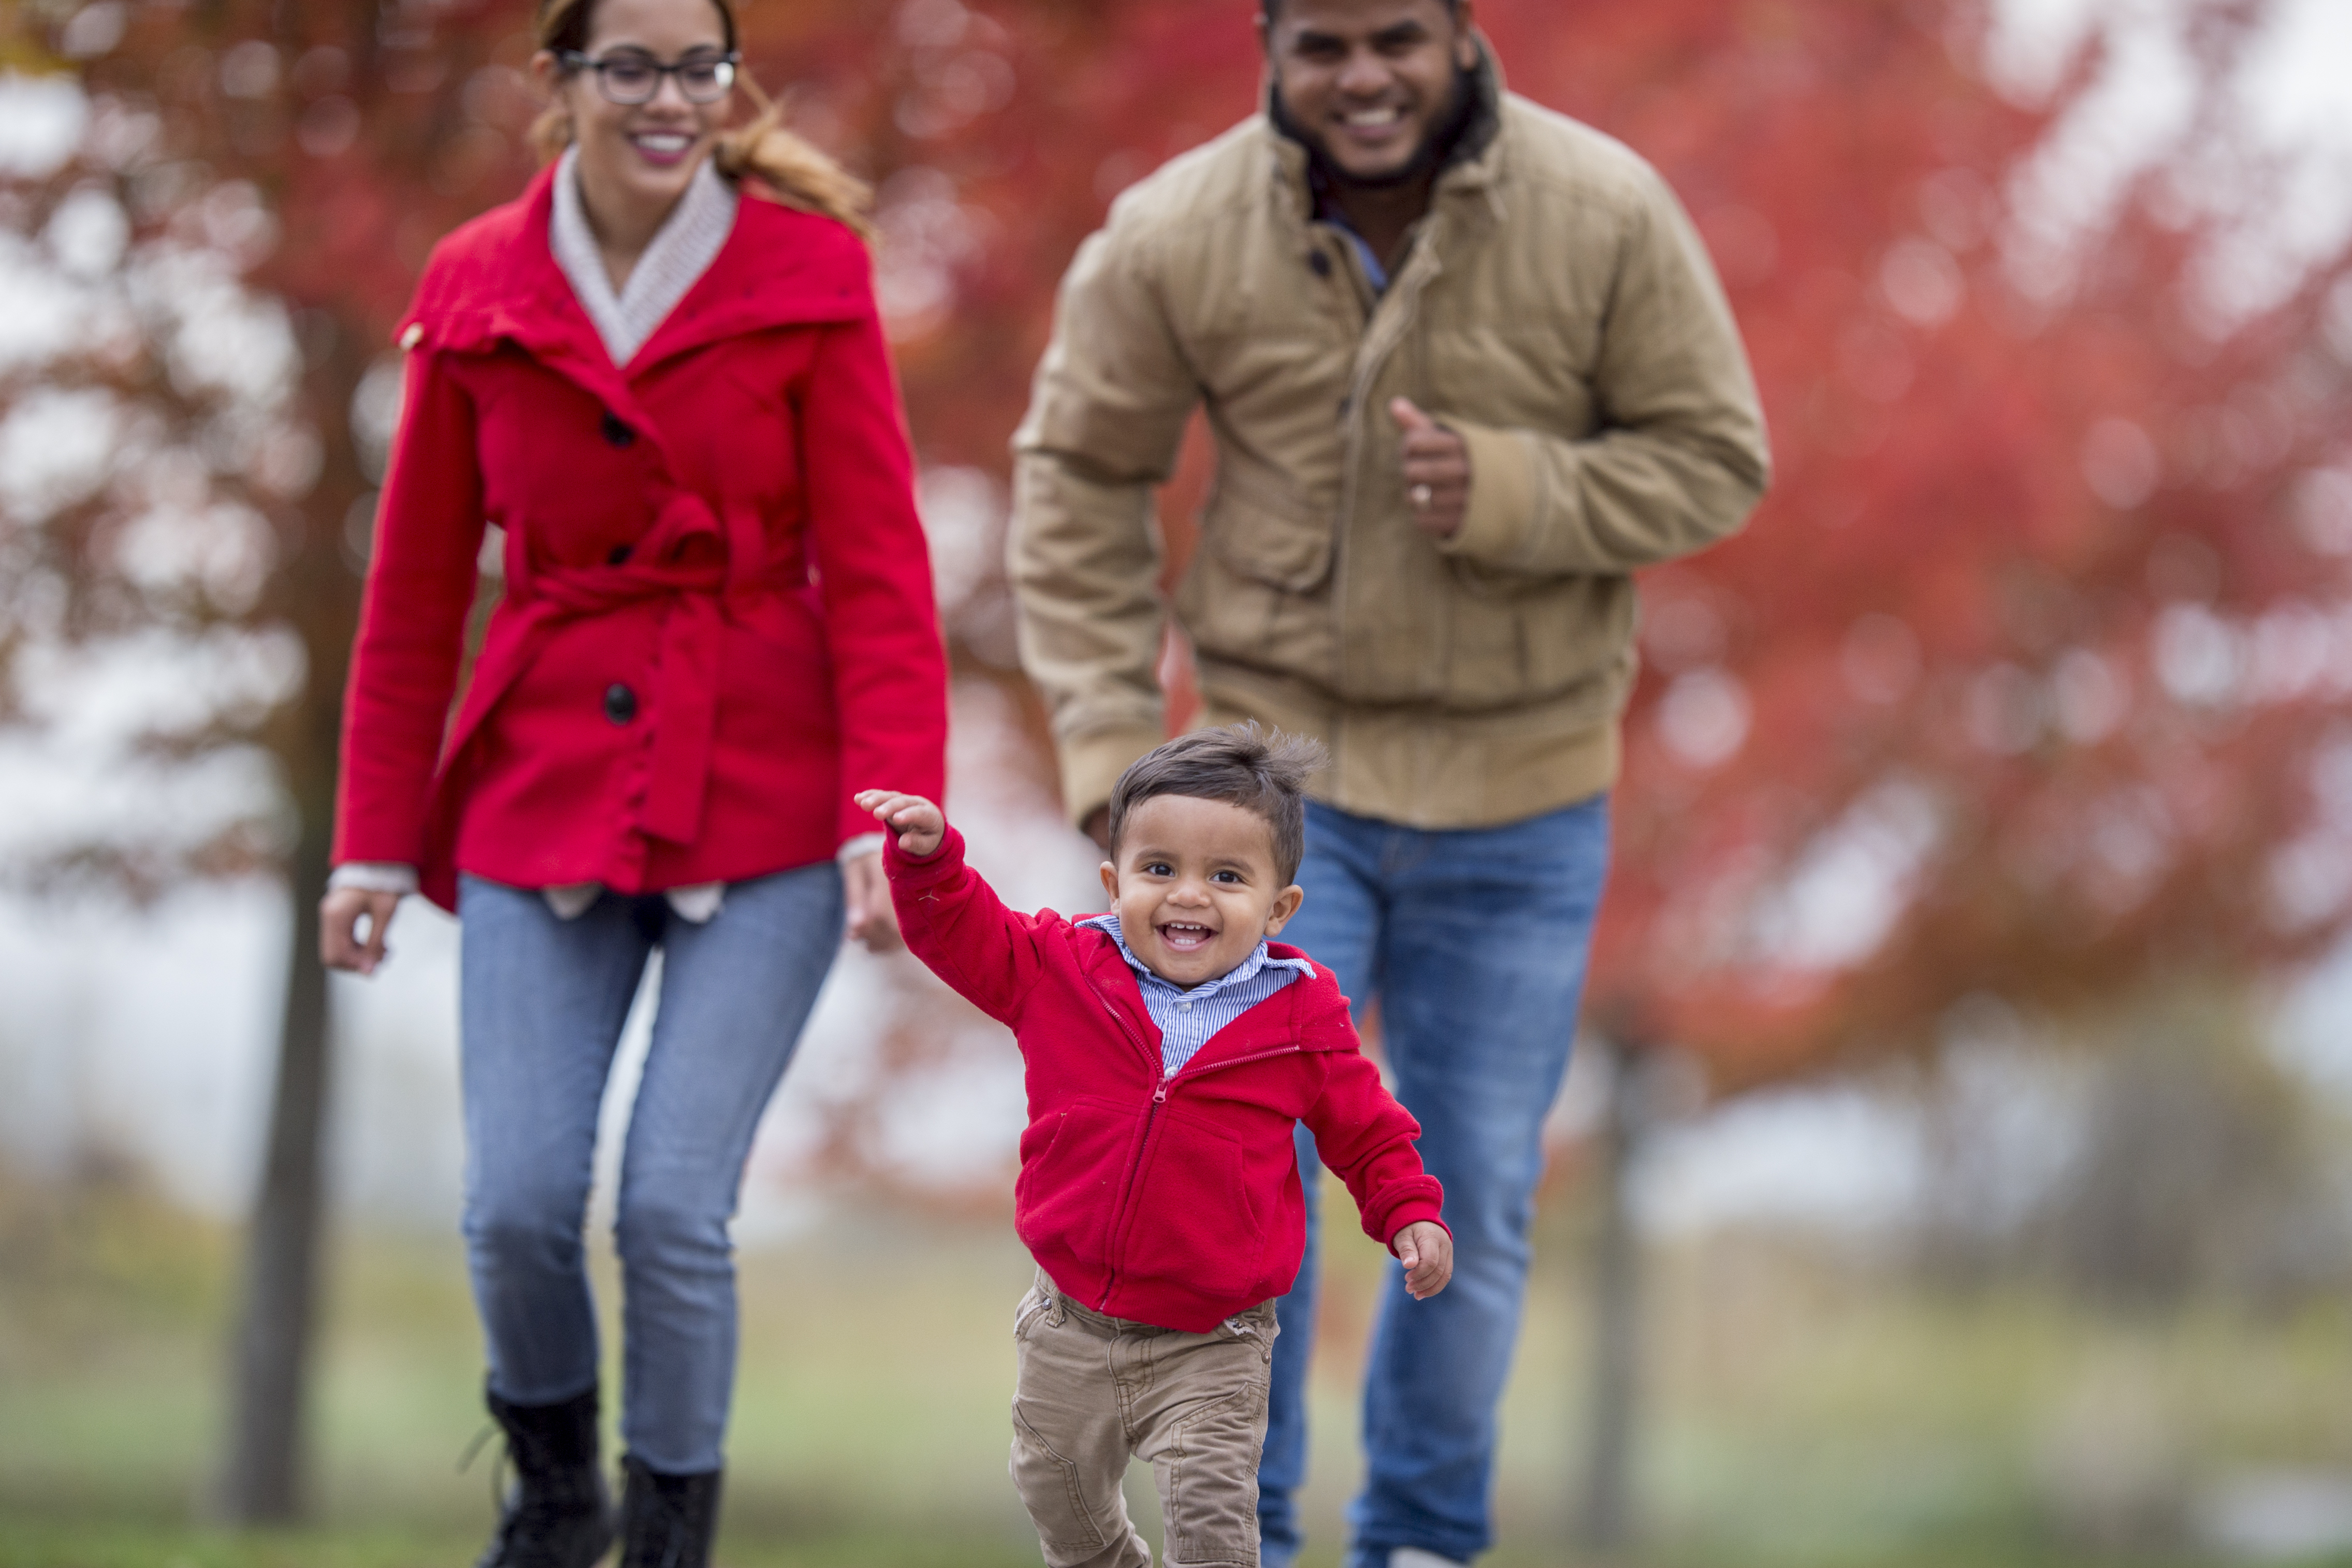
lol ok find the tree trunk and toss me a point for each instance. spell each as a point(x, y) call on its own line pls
point(263, 1483)
point(1605, 1521)
point(318, 594)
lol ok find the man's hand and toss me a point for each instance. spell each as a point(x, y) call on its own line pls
point(1437, 470)
point(872, 919)
point(917, 825)
point(1427, 1253)
point(339, 914)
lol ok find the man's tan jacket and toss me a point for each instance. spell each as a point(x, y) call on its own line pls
point(1556, 309)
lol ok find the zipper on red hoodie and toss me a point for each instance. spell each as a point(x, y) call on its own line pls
point(1120, 1221)
point(1142, 1146)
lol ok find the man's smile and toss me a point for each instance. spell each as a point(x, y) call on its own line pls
point(1371, 129)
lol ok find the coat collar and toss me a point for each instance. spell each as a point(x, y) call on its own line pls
point(688, 241)
point(497, 280)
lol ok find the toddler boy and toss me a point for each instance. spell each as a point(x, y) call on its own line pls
point(1170, 1047)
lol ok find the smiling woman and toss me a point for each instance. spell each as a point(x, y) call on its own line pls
point(638, 149)
point(674, 401)
point(615, 45)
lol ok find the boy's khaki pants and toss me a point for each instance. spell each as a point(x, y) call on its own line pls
point(1093, 1392)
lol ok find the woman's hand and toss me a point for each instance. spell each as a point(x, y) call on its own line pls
point(914, 822)
point(872, 920)
point(339, 914)
point(1427, 1253)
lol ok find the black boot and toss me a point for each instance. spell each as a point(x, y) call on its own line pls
point(558, 1514)
point(667, 1521)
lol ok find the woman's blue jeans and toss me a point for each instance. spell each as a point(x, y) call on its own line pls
point(1473, 943)
point(542, 1003)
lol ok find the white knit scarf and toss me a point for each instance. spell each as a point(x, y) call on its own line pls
point(689, 241)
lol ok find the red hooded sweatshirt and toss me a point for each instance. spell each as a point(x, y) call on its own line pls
point(1170, 1200)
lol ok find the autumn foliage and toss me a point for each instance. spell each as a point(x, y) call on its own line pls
point(2026, 680)
point(2031, 644)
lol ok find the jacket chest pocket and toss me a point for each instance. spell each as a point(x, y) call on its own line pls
point(1534, 377)
point(1258, 526)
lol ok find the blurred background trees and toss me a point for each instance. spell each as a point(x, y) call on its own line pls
point(255, 189)
point(2017, 716)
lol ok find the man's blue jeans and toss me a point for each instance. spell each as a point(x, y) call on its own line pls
point(1473, 943)
point(544, 1002)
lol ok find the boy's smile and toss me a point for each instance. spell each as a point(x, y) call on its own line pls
point(1195, 887)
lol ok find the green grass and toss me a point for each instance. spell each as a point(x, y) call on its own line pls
point(1803, 1413)
point(112, 1546)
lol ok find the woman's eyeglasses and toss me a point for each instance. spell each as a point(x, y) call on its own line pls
point(630, 77)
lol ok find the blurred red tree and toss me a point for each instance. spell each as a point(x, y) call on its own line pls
point(2026, 680)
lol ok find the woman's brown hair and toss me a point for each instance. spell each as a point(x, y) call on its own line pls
point(784, 165)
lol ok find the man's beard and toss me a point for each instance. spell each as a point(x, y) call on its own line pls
point(1436, 148)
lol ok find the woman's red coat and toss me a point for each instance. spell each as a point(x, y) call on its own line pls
point(718, 622)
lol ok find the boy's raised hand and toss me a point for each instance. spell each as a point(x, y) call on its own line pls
point(919, 825)
point(1427, 1253)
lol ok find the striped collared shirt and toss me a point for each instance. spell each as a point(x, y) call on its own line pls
point(1188, 1019)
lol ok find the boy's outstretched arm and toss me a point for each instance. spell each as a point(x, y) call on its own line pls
point(953, 919)
point(1366, 1139)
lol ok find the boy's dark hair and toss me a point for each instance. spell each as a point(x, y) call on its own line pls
point(1262, 772)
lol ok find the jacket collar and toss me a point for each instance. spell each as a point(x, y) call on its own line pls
point(1475, 164)
point(1240, 974)
point(1101, 956)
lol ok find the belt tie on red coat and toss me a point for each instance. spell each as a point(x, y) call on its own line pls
point(689, 558)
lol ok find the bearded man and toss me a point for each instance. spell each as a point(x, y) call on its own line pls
point(1468, 370)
